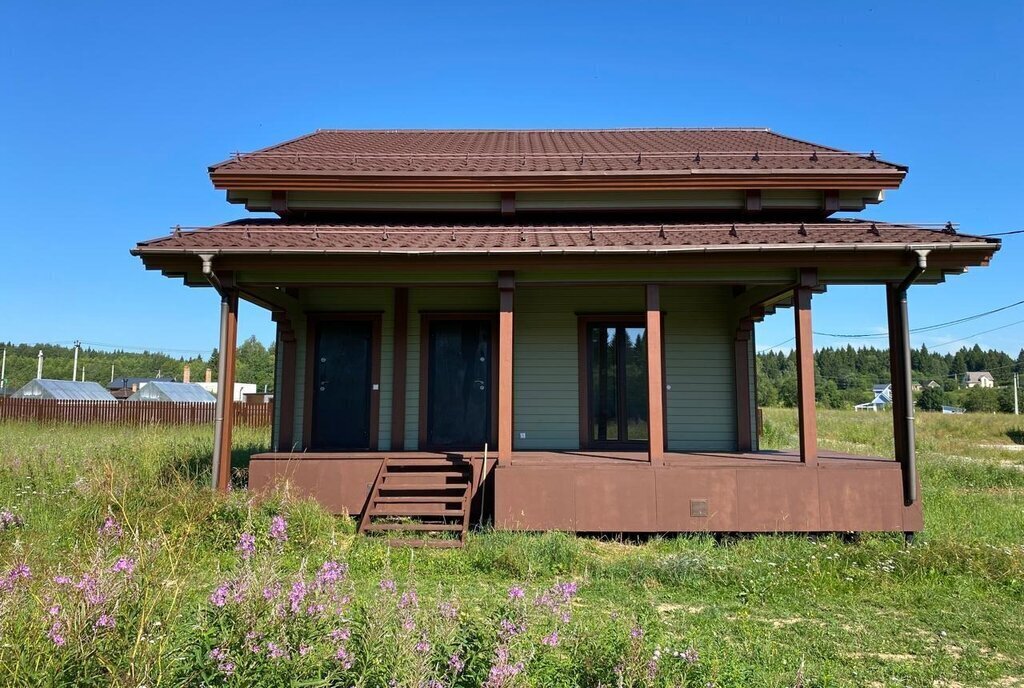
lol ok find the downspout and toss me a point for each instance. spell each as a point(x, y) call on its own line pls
point(218, 423)
point(910, 456)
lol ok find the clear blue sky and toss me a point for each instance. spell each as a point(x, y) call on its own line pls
point(110, 115)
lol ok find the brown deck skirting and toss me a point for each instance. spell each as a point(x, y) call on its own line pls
point(589, 491)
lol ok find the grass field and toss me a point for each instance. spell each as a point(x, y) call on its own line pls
point(118, 566)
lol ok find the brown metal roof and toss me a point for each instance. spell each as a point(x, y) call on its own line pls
point(676, 158)
point(263, 236)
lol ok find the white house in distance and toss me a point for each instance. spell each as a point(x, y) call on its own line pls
point(883, 397)
point(982, 378)
point(241, 389)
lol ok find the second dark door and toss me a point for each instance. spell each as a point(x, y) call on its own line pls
point(458, 384)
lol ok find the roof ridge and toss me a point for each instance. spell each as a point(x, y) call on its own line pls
point(527, 130)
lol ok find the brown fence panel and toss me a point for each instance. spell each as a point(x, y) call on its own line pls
point(115, 412)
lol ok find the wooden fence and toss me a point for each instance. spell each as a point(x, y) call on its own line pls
point(129, 412)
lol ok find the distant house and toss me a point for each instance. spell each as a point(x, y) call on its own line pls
point(932, 384)
point(883, 397)
point(6, 391)
point(124, 387)
point(163, 390)
point(954, 409)
point(241, 389)
point(259, 398)
point(982, 378)
point(63, 389)
point(917, 387)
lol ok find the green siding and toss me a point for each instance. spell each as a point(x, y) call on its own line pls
point(546, 360)
point(700, 397)
point(699, 366)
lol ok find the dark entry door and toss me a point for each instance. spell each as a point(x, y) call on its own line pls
point(458, 384)
point(342, 385)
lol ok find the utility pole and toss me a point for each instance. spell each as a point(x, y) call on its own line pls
point(39, 366)
point(3, 370)
point(111, 372)
point(1016, 397)
point(74, 366)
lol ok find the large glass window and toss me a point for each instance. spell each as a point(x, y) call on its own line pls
point(617, 383)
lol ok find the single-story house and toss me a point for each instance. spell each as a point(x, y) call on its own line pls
point(881, 400)
point(932, 384)
point(562, 319)
point(954, 409)
point(241, 389)
point(42, 388)
point(164, 390)
point(982, 378)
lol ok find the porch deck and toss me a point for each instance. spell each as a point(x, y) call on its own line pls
point(597, 491)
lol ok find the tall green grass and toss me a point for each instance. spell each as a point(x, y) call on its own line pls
point(762, 611)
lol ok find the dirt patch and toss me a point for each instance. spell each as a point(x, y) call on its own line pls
point(882, 656)
point(670, 608)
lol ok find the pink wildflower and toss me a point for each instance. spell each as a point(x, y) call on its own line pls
point(124, 565)
point(551, 640)
point(105, 621)
point(456, 663)
point(246, 545)
point(448, 610)
point(62, 580)
point(55, 634)
point(388, 585)
point(344, 657)
point(423, 647)
point(279, 528)
point(409, 599)
point(110, 529)
point(516, 593)
point(340, 634)
point(275, 651)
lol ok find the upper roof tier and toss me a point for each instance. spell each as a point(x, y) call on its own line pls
point(539, 160)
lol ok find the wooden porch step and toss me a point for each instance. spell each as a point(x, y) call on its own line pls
point(415, 526)
point(419, 499)
point(431, 495)
point(422, 510)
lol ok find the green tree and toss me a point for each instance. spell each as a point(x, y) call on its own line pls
point(932, 399)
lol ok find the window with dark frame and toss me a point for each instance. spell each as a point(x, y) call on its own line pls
point(616, 383)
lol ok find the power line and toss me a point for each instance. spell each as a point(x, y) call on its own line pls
point(977, 334)
point(1016, 231)
point(924, 328)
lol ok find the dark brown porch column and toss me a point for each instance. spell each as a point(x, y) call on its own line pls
point(655, 378)
point(400, 349)
point(806, 412)
point(744, 330)
point(506, 289)
point(225, 389)
point(902, 395)
point(284, 396)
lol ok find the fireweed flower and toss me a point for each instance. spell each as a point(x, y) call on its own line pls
point(110, 529)
point(409, 599)
point(344, 657)
point(455, 663)
point(275, 651)
point(279, 529)
point(502, 671)
point(11, 578)
point(224, 664)
point(271, 591)
point(124, 565)
point(340, 634)
point(448, 610)
point(62, 580)
point(516, 593)
point(388, 585)
point(89, 586)
point(227, 592)
point(296, 596)
point(330, 573)
point(105, 621)
point(508, 629)
point(55, 634)
point(246, 545)
point(10, 520)
point(423, 647)
point(636, 633)
point(551, 640)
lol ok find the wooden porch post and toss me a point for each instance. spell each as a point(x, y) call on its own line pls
point(655, 378)
point(399, 368)
point(744, 331)
point(226, 389)
point(506, 289)
point(807, 414)
point(284, 397)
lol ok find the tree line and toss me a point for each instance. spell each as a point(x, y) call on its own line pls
point(844, 377)
point(255, 363)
